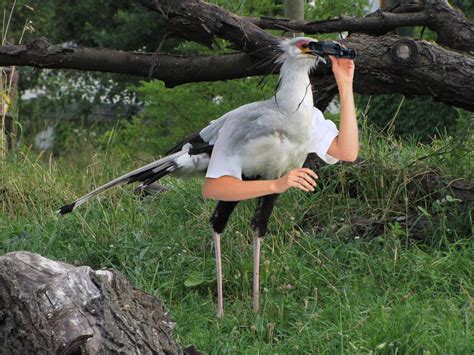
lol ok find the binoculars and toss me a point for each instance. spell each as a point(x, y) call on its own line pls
point(332, 48)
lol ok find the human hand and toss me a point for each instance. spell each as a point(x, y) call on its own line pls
point(343, 70)
point(301, 178)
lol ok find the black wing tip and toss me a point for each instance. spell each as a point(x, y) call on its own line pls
point(66, 209)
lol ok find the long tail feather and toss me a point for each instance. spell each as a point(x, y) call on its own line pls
point(148, 174)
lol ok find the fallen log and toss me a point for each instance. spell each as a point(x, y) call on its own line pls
point(49, 307)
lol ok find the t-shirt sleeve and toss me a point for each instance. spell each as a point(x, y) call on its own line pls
point(222, 163)
point(323, 133)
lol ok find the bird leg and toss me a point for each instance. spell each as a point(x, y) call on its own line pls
point(256, 272)
point(263, 211)
point(219, 219)
point(220, 297)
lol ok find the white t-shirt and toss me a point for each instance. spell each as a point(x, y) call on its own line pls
point(323, 133)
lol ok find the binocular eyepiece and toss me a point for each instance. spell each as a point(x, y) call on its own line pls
point(332, 48)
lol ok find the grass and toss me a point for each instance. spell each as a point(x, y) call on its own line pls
point(326, 289)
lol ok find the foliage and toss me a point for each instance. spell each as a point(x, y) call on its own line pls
point(169, 115)
point(327, 8)
point(466, 6)
point(122, 25)
point(22, 12)
point(417, 118)
point(252, 7)
point(116, 24)
point(109, 23)
point(70, 102)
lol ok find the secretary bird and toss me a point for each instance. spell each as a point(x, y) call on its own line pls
point(264, 140)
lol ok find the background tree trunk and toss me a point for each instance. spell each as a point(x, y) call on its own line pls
point(294, 9)
point(49, 307)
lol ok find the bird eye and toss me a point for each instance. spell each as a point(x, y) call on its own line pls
point(304, 45)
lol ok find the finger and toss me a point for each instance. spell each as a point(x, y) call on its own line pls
point(333, 58)
point(309, 180)
point(304, 175)
point(346, 61)
point(301, 187)
point(311, 173)
point(296, 184)
point(302, 181)
point(307, 173)
point(306, 185)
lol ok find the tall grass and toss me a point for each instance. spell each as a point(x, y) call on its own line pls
point(326, 287)
point(7, 88)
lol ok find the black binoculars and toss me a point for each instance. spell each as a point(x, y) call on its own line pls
point(332, 48)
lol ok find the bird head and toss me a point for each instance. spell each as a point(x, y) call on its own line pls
point(298, 50)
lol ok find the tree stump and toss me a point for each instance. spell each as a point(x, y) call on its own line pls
point(49, 307)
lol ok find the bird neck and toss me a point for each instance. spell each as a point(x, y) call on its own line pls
point(294, 89)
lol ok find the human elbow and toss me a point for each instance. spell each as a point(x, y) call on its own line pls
point(350, 156)
point(207, 190)
point(344, 151)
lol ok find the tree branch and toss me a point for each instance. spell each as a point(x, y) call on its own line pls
point(392, 64)
point(201, 22)
point(454, 29)
point(376, 23)
point(388, 64)
point(173, 70)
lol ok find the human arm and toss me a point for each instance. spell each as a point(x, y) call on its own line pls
point(229, 188)
point(346, 145)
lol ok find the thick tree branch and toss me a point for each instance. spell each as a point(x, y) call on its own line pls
point(201, 22)
point(173, 70)
point(392, 64)
point(388, 64)
point(454, 29)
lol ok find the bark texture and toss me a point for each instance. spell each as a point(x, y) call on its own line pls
point(387, 64)
point(454, 29)
point(376, 23)
point(49, 307)
point(201, 22)
point(392, 64)
point(171, 69)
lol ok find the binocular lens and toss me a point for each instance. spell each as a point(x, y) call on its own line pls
point(331, 48)
point(347, 53)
